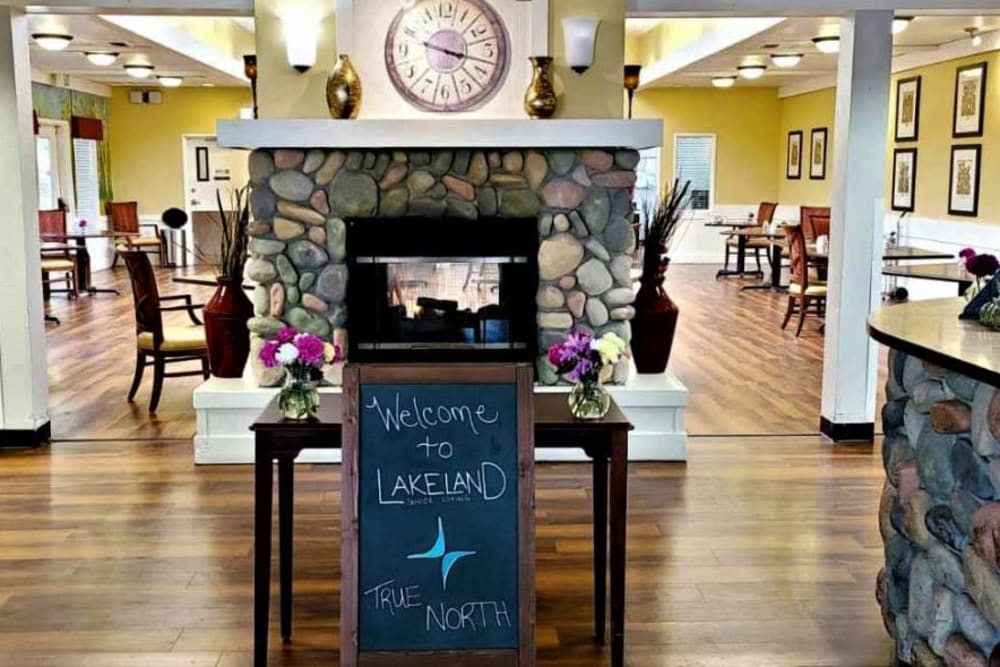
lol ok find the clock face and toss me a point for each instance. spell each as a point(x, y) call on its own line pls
point(447, 55)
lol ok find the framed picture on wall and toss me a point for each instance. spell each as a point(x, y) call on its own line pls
point(793, 165)
point(201, 164)
point(817, 153)
point(908, 109)
point(970, 100)
point(963, 190)
point(904, 179)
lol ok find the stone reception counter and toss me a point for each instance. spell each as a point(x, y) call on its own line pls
point(940, 509)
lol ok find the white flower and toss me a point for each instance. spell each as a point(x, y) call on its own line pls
point(287, 354)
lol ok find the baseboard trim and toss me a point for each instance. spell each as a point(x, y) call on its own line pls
point(856, 432)
point(25, 438)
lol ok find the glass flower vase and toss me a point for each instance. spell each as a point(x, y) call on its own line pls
point(589, 400)
point(299, 397)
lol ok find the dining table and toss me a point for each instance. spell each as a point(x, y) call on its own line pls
point(84, 278)
point(734, 225)
point(773, 281)
point(950, 272)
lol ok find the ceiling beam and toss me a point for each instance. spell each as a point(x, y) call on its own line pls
point(701, 8)
point(185, 7)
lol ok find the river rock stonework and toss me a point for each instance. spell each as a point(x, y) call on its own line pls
point(940, 515)
point(580, 198)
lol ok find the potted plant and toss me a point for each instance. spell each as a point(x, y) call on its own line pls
point(303, 356)
point(655, 320)
point(229, 309)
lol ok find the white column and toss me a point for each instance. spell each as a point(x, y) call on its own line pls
point(860, 135)
point(23, 382)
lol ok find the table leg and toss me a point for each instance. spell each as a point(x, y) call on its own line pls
point(963, 287)
point(741, 254)
point(600, 491)
point(774, 282)
point(619, 520)
point(84, 276)
point(263, 488)
point(286, 504)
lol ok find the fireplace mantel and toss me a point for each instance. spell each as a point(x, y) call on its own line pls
point(436, 134)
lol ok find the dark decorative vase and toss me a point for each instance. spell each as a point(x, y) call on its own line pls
point(226, 316)
point(654, 323)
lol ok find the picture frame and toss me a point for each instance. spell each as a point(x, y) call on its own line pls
point(970, 101)
point(201, 164)
point(908, 109)
point(793, 160)
point(904, 179)
point(817, 153)
point(963, 186)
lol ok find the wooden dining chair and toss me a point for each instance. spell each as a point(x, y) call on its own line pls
point(157, 344)
point(58, 264)
point(123, 216)
point(815, 222)
point(765, 215)
point(803, 291)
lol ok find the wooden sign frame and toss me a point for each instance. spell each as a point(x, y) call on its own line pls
point(355, 376)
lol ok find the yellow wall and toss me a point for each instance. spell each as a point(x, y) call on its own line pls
point(146, 160)
point(745, 122)
point(935, 141)
point(283, 93)
point(806, 113)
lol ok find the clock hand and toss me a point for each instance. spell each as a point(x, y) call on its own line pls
point(445, 51)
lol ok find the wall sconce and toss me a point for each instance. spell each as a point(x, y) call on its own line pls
point(301, 32)
point(580, 35)
point(631, 83)
point(250, 71)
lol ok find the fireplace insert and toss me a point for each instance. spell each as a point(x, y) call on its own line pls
point(441, 289)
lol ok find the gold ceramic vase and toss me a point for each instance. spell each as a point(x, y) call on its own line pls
point(540, 98)
point(343, 89)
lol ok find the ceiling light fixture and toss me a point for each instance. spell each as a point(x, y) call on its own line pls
point(723, 81)
point(751, 71)
point(139, 71)
point(101, 59)
point(830, 44)
point(977, 39)
point(786, 60)
point(52, 41)
point(170, 81)
point(900, 23)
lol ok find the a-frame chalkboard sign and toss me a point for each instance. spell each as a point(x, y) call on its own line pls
point(438, 527)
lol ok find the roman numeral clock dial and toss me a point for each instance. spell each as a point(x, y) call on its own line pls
point(447, 55)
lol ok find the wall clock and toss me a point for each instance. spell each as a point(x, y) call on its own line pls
point(447, 55)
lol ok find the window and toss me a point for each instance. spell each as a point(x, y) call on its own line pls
point(88, 193)
point(48, 183)
point(694, 160)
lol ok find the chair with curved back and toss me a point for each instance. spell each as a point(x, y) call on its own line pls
point(803, 291)
point(155, 343)
point(815, 221)
point(58, 264)
point(765, 215)
point(123, 216)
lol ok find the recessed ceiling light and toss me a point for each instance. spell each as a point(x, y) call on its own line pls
point(170, 81)
point(723, 81)
point(786, 59)
point(208, 85)
point(101, 59)
point(52, 41)
point(139, 71)
point(830, 44)
point(900, 23)
point(751, 71)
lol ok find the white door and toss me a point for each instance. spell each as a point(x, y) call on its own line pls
point(209, 171)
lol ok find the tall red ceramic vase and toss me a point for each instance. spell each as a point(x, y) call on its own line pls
point(654, 324)
point(226, 334)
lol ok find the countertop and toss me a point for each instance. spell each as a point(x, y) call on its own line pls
point(932, 331)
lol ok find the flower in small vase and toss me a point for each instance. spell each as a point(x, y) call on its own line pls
point(583, 359)
point(303, 356)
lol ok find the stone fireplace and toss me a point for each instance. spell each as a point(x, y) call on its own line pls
point(580, 199)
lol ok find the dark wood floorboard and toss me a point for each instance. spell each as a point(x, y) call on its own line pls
point(746, 375)
point(760, 552)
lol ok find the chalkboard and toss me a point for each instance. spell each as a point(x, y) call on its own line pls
point(438, 514)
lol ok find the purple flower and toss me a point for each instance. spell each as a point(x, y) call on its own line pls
point(269, 352)
point(966, 253)
point(311, 349)
point(286, 334)
point(556, 354)
point(982, 266)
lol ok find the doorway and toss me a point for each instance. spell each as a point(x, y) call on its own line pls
point(211, 173)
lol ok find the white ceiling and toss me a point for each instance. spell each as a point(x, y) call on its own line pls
point(91, 33)
point(794, 35)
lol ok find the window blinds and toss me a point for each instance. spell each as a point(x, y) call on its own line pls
point(694, 160)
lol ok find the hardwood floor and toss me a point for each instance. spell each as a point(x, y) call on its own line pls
point(746, 375)
point(760, 552)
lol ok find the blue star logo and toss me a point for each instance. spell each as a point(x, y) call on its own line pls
point(440, 550)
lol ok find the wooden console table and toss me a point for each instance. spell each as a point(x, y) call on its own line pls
point(605, 442)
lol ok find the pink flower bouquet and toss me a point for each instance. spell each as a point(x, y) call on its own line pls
point(303, 356)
